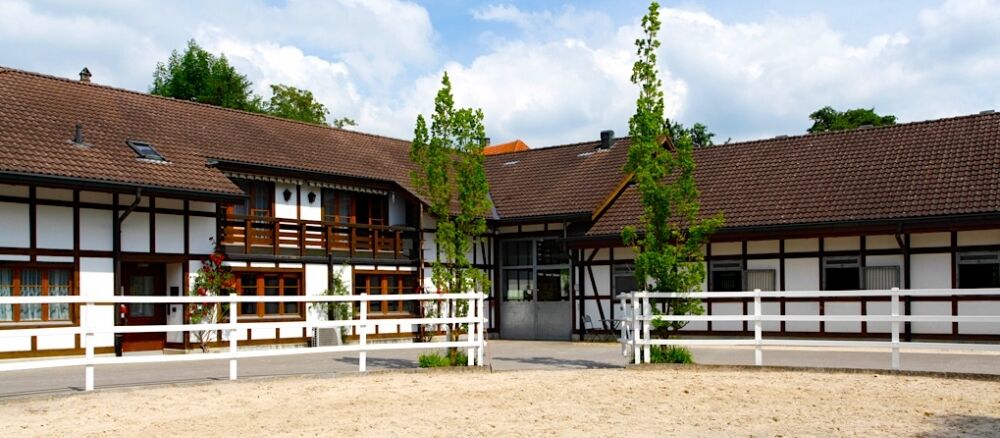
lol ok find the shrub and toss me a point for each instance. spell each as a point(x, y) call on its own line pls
point(435, 360)
point(670, 354)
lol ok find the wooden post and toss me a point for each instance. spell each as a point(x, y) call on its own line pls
point(894, 308)
point(363, 335)
point(275, 231)
point(232, 337)
point(246, 235)
point(353, 241)
point(758, 335)
point(88, 345)
point(647, 312)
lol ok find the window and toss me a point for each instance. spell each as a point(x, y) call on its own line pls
point(33, 282)
point(978, 269)
point(727, 275)
point(145, 150)
point(535, 270)
point(338, 206)
point(552, 252)
point(520, 285)
point(625, 278)
point(270, 284)
point(763, 279)
point(260, 198)
point(881, 277)
point(387, 284)
point(517, 253)
point(841, 273)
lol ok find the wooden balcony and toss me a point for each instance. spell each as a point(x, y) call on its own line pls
point(278, 236)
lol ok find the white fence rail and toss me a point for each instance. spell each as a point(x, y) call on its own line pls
point(474, 320)
point(637, 326)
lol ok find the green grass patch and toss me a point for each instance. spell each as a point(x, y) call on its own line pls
point(670, 354)
point(436, 360)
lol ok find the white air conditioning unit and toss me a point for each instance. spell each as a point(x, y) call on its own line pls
point(326, 336)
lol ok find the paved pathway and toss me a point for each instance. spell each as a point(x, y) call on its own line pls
point(503, 355)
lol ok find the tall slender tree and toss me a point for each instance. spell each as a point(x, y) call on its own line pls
point(669, 256)
point(450, 174)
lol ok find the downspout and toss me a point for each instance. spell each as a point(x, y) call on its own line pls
point(907, 332)
point(116, 249)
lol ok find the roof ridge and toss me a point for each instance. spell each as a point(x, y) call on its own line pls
point(783, 137)
point(559, 146)
point(189, 102)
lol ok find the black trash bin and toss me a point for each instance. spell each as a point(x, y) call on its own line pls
point(118, 344)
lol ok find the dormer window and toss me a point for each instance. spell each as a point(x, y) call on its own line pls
point(145, 150)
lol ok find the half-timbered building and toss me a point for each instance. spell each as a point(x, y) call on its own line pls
point(105, 191)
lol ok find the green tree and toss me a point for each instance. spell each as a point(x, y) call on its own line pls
point(450, 174)
point(699, 133)
point(342, 122)
point(293, 103)
point(668, 250)
point(203, 77)
point(829, 119)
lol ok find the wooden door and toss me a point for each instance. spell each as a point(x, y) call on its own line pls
point(145, 280)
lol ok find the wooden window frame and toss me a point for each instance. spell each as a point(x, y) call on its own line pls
point(362, 283)
point(45, 268)
point(261, 274)
point(250, 187)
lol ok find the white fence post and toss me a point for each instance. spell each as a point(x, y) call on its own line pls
point(894, 307)
point(481, 326)
point(232, 337)
point(636, 354)
point(363, 334)
point(758, 335)
point(88, 345)
point(470, 332)
point(647, 312)
point(623, 326)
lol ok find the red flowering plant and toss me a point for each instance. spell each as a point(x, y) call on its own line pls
point(213, 279)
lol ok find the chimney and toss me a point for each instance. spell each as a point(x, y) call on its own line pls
point(85, 75)
point(78, 134)
point(486, 141)
point(607, 139)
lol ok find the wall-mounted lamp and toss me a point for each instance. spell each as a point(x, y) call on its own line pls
point(287, 194)
point(312, 197)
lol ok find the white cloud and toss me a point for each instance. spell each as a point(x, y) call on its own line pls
point(546, 76)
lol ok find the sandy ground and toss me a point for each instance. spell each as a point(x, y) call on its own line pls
point(630, 402)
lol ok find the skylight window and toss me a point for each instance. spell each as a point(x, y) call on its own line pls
point(145, 150)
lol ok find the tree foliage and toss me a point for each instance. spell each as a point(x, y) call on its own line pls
point(829, 119)
point(201, 76)
point(669, 256)
point(451, 176)
point(293, 103)
point(699, 133)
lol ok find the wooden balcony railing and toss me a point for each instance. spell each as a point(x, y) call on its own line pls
point(278, 236)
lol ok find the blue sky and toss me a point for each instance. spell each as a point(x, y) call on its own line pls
point(548, 72)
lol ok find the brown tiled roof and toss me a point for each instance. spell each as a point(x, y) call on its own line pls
point(503, 148)
point(37, 119)
point(558, 180)
point(38, 114)
point(914, 170)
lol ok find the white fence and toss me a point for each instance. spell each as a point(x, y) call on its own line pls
point(637, 308)
point(475, 321)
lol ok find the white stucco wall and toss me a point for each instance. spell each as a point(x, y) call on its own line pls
point(16, 225)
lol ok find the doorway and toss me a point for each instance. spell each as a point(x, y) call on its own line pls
point(536, 291)
point(144, 279)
